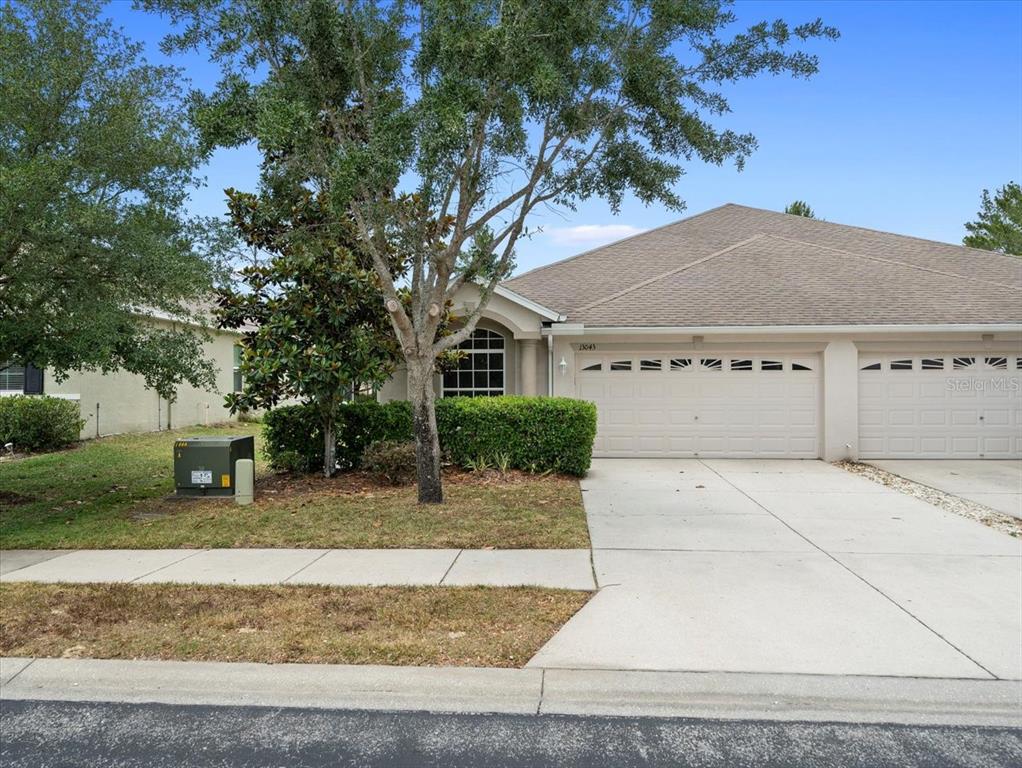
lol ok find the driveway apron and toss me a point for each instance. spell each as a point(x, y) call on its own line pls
point(787, 566)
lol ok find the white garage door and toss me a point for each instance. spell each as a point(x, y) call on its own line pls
point(702, 404)
point(960, 405)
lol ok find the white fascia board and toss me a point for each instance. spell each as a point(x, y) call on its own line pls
point(159, 314)
point(576, 329)
point(544, 312)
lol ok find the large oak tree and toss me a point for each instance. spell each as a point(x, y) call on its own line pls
point(96, 160)
point(484, 111)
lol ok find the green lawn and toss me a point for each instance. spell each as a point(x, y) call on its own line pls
point(113, 493)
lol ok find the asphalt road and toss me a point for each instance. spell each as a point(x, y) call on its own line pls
point(44, 734)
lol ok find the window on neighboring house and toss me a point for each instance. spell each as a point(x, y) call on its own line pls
point(239, 380)
point(480, 371)
point(20, 379)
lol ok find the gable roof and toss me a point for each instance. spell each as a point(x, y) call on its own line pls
point(735, 265)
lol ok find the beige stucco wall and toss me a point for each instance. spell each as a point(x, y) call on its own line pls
point(120, 402)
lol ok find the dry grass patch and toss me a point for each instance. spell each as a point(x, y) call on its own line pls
point(431, 626)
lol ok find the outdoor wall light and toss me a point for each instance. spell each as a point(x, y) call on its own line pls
point(563, 365)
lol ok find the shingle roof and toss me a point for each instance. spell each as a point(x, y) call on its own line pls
point(737, 266)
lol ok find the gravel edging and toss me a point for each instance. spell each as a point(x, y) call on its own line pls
point(946, 501)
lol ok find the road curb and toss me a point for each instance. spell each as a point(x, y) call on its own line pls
point(714, 695)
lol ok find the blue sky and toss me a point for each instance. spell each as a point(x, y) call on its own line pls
point(916, 109)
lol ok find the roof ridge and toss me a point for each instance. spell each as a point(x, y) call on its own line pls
point(617, 242)
point(674, 271)
point(875, 231)
point(895, 261)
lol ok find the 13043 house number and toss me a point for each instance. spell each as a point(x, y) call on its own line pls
point(586, 347)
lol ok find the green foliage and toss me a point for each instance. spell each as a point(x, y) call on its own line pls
point(312, 315)
point(800, 208)
point(535, 434)
point(293, 438)
point(530, 433)
point(390, 461)
point(364, 422)
point(39, 423)
point(440, 126)
point(96, 163)
point(998, 226)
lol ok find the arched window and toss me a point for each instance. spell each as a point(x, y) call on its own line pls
point(480, 371)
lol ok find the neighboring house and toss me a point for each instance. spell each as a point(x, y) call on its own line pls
point(745, 332)
point(119, 402)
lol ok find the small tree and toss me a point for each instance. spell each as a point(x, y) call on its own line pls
point(95, 164)
point(800, 208)
point(487, 109)
point(312, 313)
point(998, 226)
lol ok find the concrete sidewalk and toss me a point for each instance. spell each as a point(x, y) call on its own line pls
point(555, 568)
point(519, 691)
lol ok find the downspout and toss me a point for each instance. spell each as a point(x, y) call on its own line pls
point(550, 365)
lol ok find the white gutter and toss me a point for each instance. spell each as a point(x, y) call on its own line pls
point(578, 329)
point(545, 312)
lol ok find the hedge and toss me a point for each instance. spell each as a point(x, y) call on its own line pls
point(536, 434)
point(39, 423)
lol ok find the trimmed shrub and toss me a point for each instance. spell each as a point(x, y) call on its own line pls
point(364, 422)
point(293, 438)
point(39, 423)
point(390, 461)
point(535, 434)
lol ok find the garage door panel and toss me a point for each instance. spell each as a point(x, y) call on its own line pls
point(973, 411)
point(933, 418)
point(933, 444)
point(651, 417)
point(701, 411)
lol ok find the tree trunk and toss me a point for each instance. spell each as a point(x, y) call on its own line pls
point(427, 441)
point(329, 449)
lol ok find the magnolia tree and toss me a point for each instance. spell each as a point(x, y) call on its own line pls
point(313, 324)
point(440, 127)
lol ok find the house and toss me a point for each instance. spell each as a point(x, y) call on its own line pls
point(118, 402)
point(742, 332)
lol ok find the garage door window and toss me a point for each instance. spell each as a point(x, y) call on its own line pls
point(771, 365)
point(741, 365)
point(621, 365)
point(651, 365)
point(480, 371)
point(933, 364)
point(711, 364)
point(998, 363)
point(680, 363)
point(901, 365)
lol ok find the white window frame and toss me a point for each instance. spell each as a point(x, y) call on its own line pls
point(475, 391)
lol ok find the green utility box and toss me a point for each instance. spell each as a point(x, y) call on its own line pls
point(204, 466)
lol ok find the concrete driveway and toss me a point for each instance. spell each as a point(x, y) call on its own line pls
point(789, 567)
point(995, 484)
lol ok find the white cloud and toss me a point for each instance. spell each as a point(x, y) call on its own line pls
point(591, 234)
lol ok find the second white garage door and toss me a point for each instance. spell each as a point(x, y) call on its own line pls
point(962, 405)
point(703, 404)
